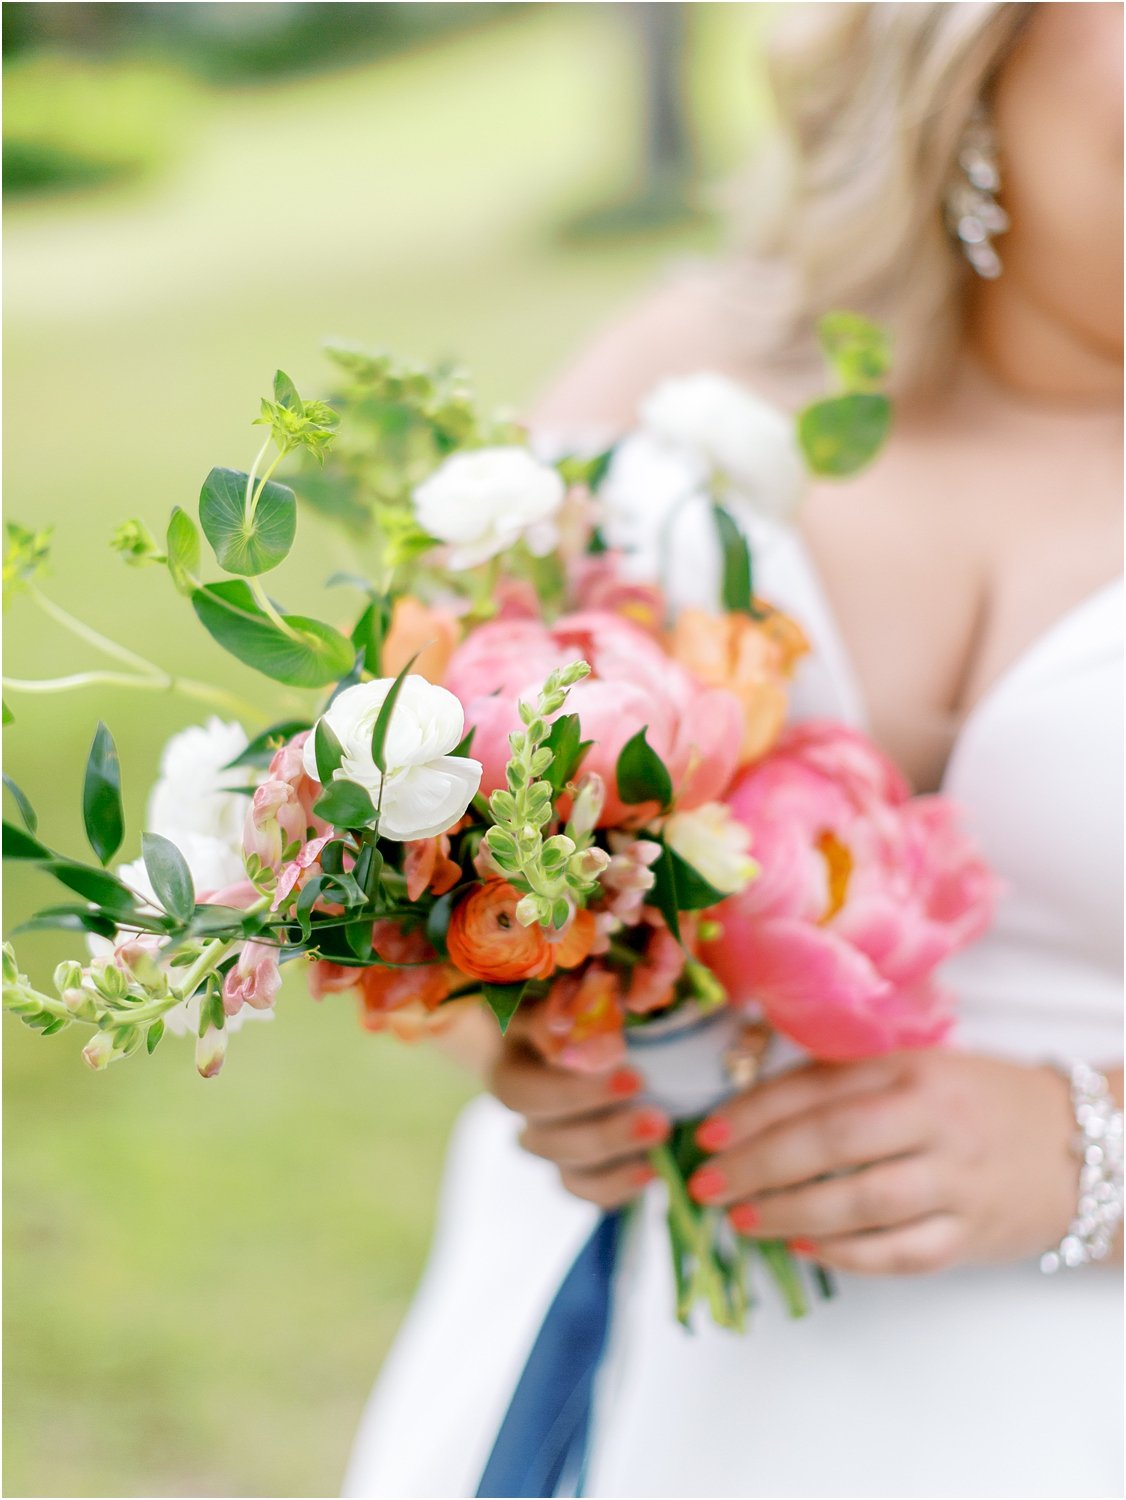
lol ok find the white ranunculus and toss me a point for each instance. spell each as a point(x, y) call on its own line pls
point(194, 794)
point(483, 501)
point(749, 441)
point(426, 789)
point(710, 840)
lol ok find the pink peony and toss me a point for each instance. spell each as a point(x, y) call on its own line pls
point(863, 891)
point(633, 685)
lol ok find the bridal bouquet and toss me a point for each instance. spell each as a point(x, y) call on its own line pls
point(522, 782)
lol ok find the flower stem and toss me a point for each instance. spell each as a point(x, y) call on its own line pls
point(201, 692)
point(695, 1235)
point(93, 637)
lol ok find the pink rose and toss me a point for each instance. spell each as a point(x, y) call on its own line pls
point(633, 685)
point(254, 980)
point(863, 891)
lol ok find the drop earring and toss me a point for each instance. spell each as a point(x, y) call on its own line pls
point(973, 215)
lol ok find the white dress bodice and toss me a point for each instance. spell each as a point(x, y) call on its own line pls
point(975, 1382)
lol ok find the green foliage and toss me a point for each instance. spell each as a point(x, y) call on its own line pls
point(642, 775)
point(183, 551)
point(169, 874)
point(261, 749)
point(346, 804)
point(310, 655)
point(568, 748)
point(842, 434)
point(27, 812)
point(737, 589)
point(329, 751)
point(250, 531)
point(294, 423)
point(136, 545)
point(857, 351)
point(383, 717)
point(21, 845)
point(25, 557)
point(102, 811)
point(504, 1001)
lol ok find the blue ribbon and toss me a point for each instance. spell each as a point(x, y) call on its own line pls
point(545, 1432)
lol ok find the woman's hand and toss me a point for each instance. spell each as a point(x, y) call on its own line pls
point(946, 1157)
point(589, 1124)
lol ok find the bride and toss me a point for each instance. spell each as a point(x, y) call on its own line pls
point(964, 603)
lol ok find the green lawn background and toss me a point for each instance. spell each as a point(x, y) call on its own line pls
point(202, 1279)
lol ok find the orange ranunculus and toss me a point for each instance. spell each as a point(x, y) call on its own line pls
point(752, 659)
point(487, 942)
point(576, 941)
point(386, 993)
point(582, 1020)
point(416, 627)
point(428, 866)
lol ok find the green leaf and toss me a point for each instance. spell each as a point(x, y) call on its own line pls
point(263, 747)
point(664, 894)
point(316, 656)
point(211, 920)
point(693, 892)
point(285, 393)
point(358, 937)
point(842, 435)
point(183, 548)
point(438, 921)
point(69, 919)
point(153, 1036)
point(27, 812)
point(383, 718)
point(465, 745)
point(101, 797)
point(20, 845)
point(504, 1001)
point(737, 589)
point(247, 544)
point(329, 751)
point(641, 773)
point(95, 885)
point(345, 804)
point(857, 351)
point(171, 879)
point(567, 747)
point(6, 714)
point(369, 633)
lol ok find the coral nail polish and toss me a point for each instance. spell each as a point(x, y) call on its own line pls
point(642, 1176)
point(650, 1126)
point(707, 1184)
point(803, 1247)
point(624, 1082)
point(714, 1134)
point(744, 1218)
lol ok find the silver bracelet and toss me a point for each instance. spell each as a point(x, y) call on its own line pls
point(1098, 1144)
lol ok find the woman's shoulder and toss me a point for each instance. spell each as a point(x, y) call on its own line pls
point(688, 320)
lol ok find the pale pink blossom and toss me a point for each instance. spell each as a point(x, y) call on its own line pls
point(275, 821)
point(863, 891)
point(253, 980)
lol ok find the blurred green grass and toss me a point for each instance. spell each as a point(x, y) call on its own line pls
point(203, 1278)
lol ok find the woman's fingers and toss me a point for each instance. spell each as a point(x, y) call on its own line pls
point(877, 1197)
point(590, 1142)
point(609, 1187)
point(525, 1083)
point(928, 1244)
point(794, 1093)
point(853, 1133)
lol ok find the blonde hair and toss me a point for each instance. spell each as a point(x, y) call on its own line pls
point(871, 101)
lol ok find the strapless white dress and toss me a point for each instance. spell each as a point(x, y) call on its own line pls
point(973, 1382)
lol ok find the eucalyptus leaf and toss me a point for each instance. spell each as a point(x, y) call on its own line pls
point(313, 657)
point(169, 875)
point(383, 718)
point(263, 747)
point(21, 845)
point(102, 812)
point(345, 804)
point(642, 775)
point(843, 434)
point(183, 548)
point(95, 885)
point(737, 588)
point(247, 544)
point(504, 1001)
point(27, 812)
point(329, 751)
